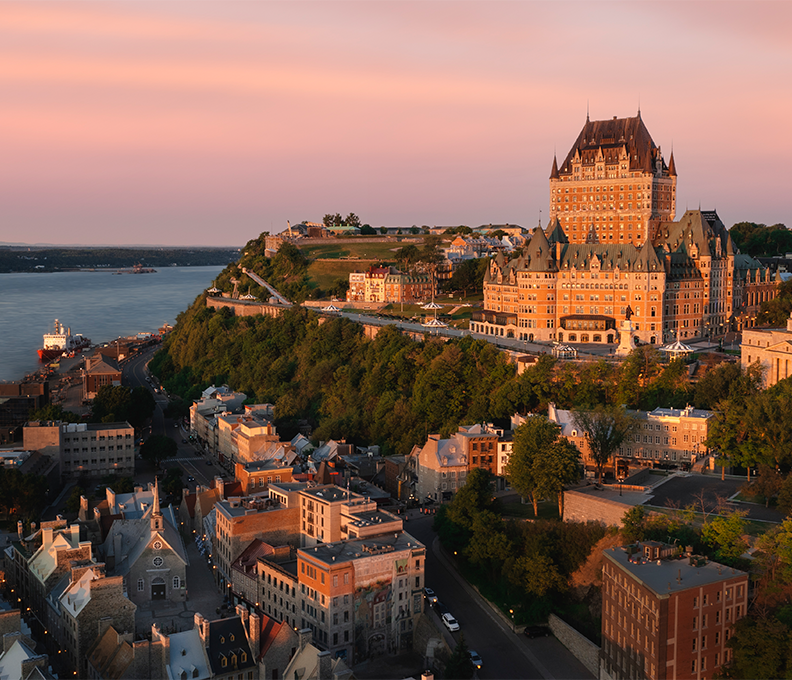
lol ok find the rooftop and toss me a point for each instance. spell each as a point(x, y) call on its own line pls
point(346, 551)
point(329, 493)
point(667, 576)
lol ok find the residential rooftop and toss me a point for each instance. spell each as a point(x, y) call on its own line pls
point(668, 576)
point(347, 551)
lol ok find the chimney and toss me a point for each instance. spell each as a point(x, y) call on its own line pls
point(10, 638)
point(83, 509)
point(75, 532)
point(104, 623)
point(427, 675)
point(203, 627)
point(20, 530)
point(325, 660)
point(304, 637)
point(33, 527)
point(27, 666)
point(111, 499)
point(242, 613)
point(46, 536)
point(254, 634)
point(220, 486)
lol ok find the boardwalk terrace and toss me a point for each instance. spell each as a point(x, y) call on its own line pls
point(664, 617)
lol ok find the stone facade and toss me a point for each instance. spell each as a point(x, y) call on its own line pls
point(772, 348)
point(97, 449)
point(612, 245)
point(388, 284)
point(614, 184)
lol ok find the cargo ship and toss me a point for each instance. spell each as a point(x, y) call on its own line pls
point(61, 342)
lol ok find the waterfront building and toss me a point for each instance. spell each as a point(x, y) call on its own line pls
point(100, 370)
point(667, 617)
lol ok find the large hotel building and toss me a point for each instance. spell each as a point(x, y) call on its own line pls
point(612, 244)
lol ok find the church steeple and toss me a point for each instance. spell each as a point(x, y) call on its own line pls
point(672, 165)
point(156, 513)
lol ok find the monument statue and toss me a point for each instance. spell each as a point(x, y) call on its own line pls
point(628, 313)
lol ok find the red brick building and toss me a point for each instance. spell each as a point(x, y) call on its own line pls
point(666, 617)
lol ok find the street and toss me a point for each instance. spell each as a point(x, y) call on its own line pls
point(505, 654)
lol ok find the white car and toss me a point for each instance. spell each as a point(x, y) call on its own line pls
point(450, 622)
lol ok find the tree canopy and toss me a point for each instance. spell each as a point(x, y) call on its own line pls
point(157, 448)
point(116, 403)
point(605, 428)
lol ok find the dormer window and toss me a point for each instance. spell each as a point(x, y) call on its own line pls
point(183, 675)
point(243, 657)
point(195, 672)
point(231, 637)
point(223, 661)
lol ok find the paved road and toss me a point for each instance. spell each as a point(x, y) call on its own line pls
point(505, 654)
point(679, 492)
point(188, 457)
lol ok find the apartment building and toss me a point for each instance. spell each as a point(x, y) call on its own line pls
point(665, 436)
point(388, 284)
point(361, 598)
point(664, 616)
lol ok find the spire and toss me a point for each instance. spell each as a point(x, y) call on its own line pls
point(672, 165)
point(156, 513)
point(554, 171)
point(587, 111)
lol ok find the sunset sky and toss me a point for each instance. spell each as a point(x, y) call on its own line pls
point(206, 123)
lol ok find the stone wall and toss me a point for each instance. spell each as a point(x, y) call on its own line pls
point(583, 649)
point(245, 308)
point(587, 507)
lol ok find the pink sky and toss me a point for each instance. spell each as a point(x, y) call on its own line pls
point(207, 123)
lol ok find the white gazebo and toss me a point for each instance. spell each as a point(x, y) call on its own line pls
point(564, 352)
point(331, 309)
point(431, 305)
point(676, 350)
point(434, 323)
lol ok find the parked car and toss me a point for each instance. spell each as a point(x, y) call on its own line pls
point(450, 622)
point(475, 659)
point(430, 596)
point(536, 631)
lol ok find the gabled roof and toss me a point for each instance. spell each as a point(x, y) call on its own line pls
point(11, 661)
point(111, 655)
point(612, 139)
point(136, 535)
point(187, 654)
point(227, 641)
point(78, 594)
point(270, 628)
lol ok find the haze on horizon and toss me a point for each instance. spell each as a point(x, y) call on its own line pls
point(208, 123)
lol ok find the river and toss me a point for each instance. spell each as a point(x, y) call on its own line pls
point(98, 304)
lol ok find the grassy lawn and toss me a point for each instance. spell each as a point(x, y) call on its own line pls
point(517, 510)
point(361, 248)
point(325, 274)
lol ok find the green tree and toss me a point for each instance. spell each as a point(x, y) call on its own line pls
point(605, 428)
point(119, 404)
point(474, 496)
point(761, 650)
point(407, 256)
point(725, 534)
point(532, 441)
point(73, 501)
point(459, 665)
point(172, 483)
point(634, 524)
point(54, 413)
point(559, 466)
point(468, 276)
point(157, 448)
point(367, 230)
point(352, 220)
